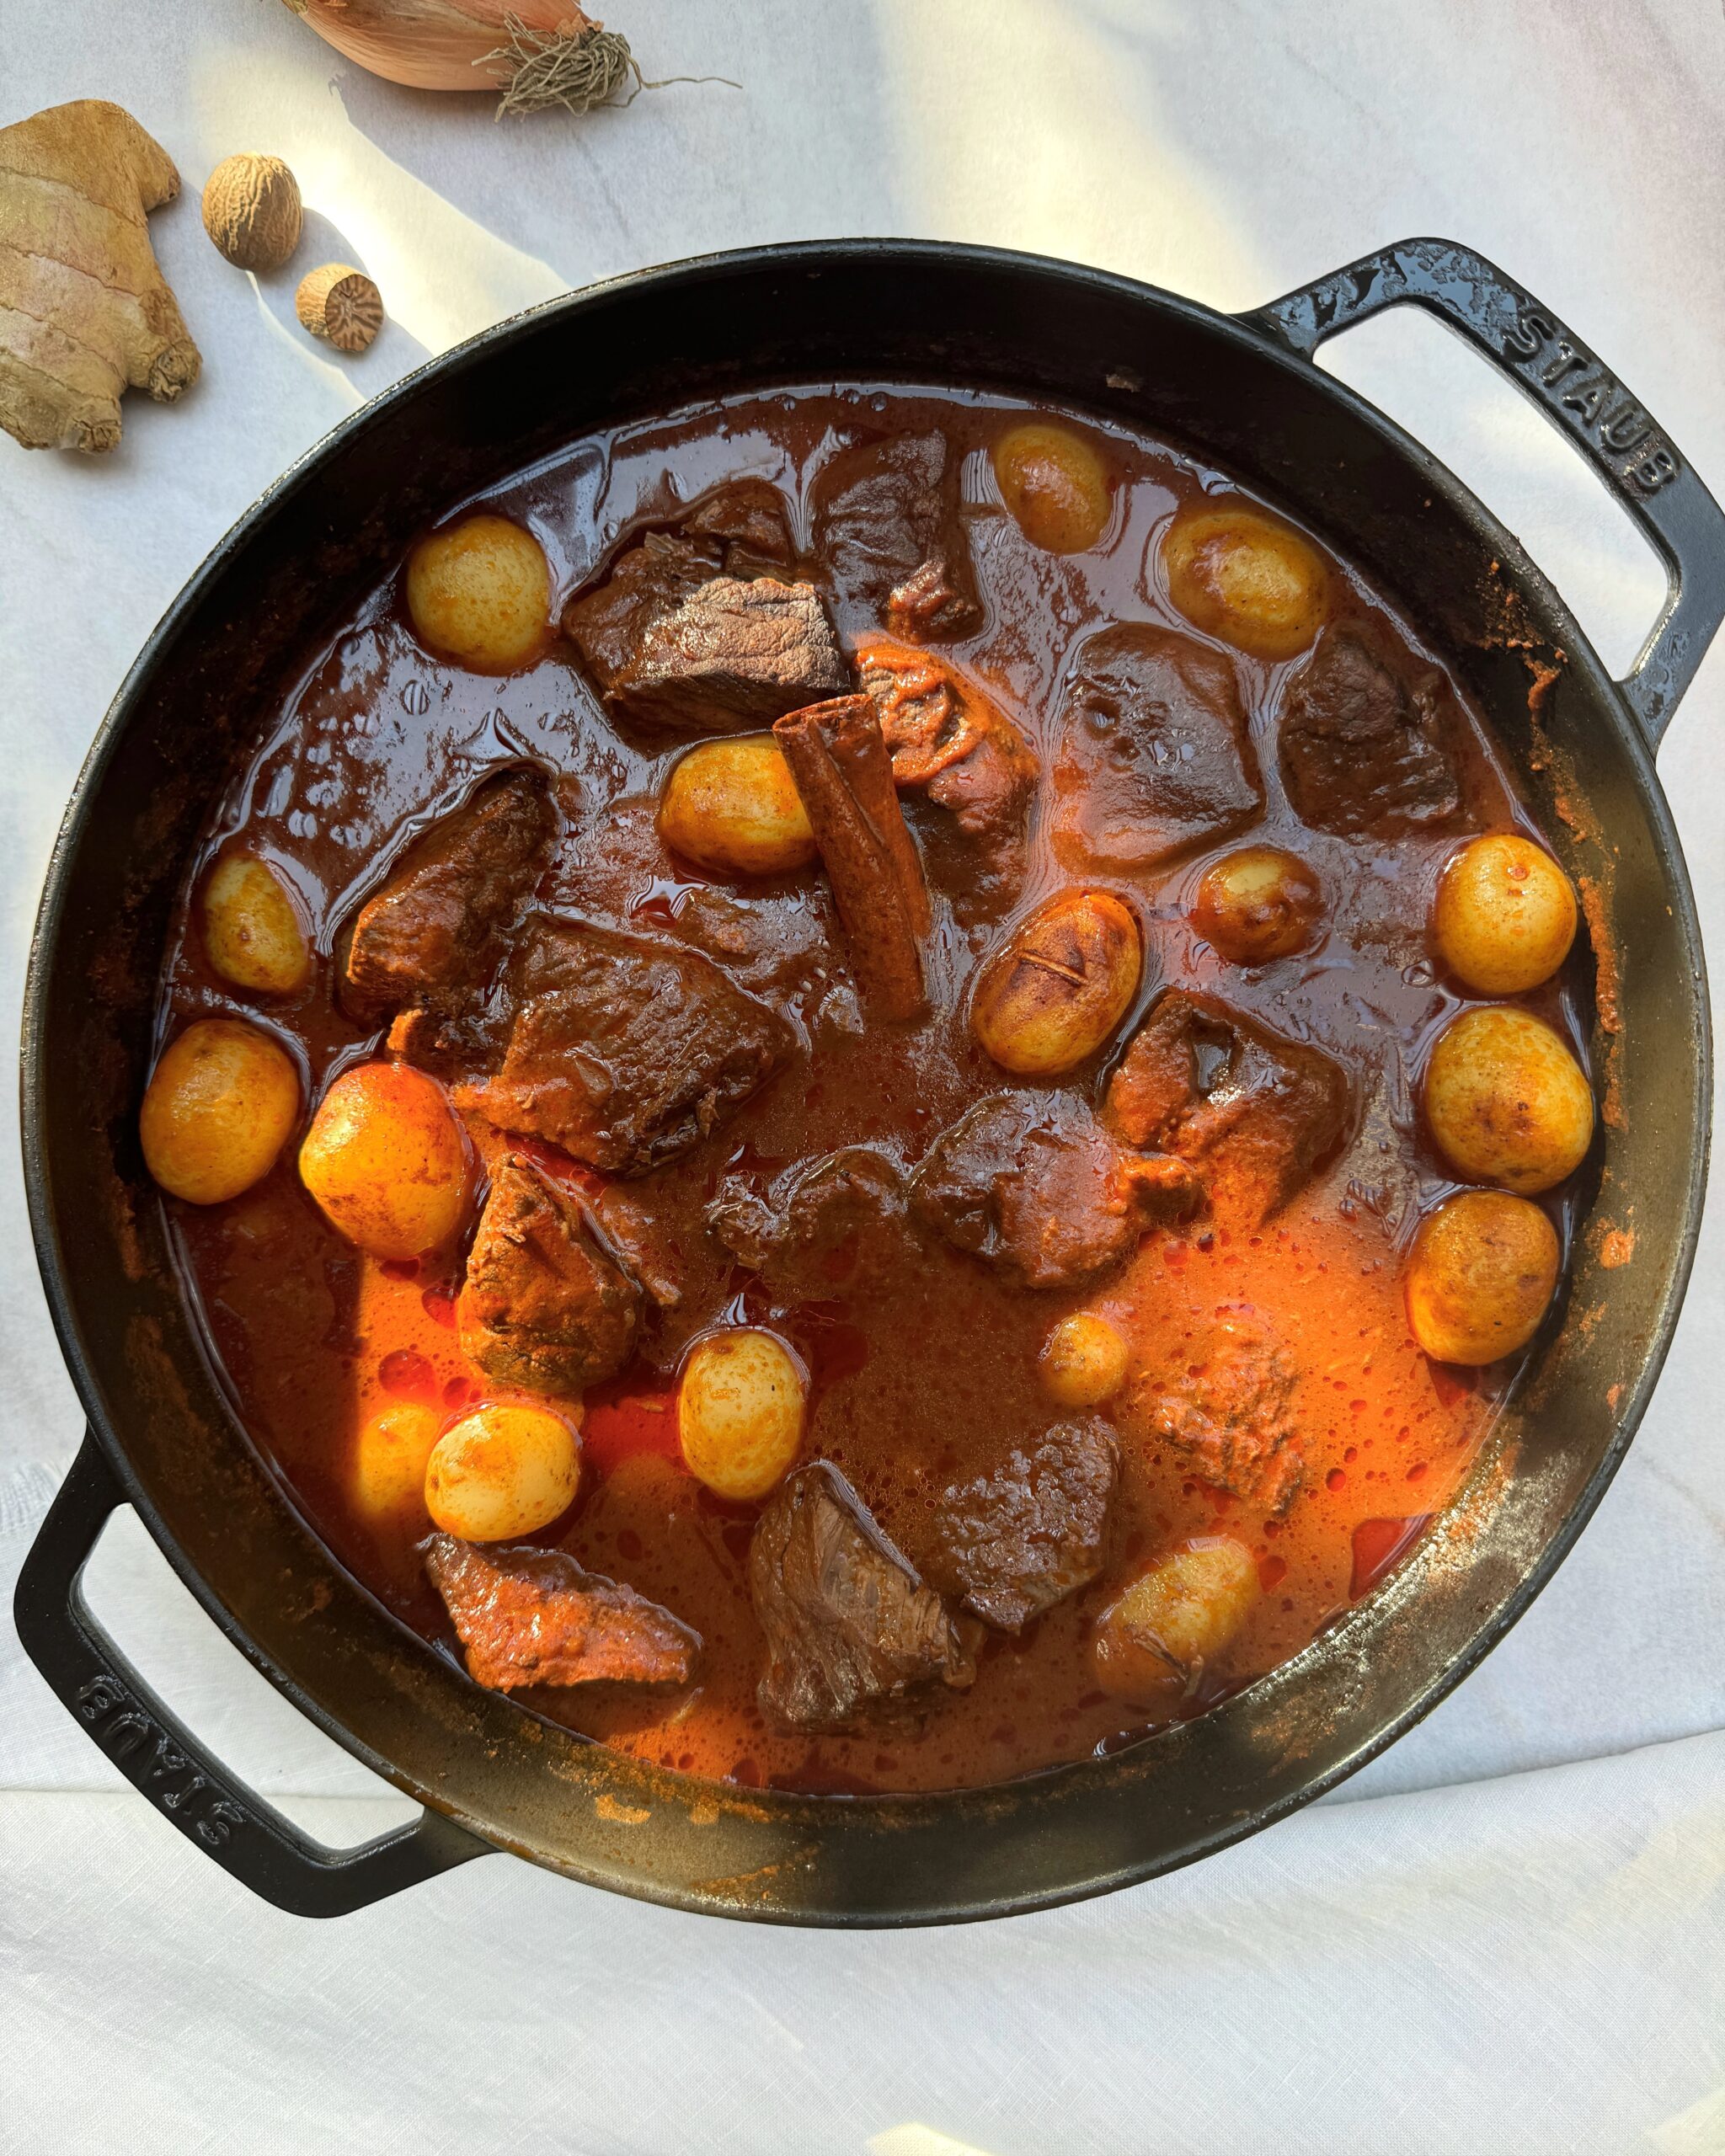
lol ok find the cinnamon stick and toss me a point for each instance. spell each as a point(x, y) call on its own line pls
point(844, 772)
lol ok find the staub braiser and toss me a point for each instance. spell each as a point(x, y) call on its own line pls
point(1242, 393)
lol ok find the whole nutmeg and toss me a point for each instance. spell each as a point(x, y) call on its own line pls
point(341, 303)
point(252, 211)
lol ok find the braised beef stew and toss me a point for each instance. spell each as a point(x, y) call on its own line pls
point(806, 1133)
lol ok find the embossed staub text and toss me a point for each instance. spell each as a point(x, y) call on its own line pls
point(1591, 399)
point(143, 1749)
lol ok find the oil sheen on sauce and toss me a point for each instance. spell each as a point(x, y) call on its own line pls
point(932, 1378)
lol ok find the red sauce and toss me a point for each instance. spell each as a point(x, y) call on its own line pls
point(934, 1376)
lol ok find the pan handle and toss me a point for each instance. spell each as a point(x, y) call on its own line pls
point(161, 1758)
point(1617, 434)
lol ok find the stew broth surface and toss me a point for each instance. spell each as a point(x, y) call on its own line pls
point(928, 1375)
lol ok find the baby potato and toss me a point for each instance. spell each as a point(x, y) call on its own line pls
point(1480, 1276)
point(740, 1412)
point(1505, 917)
point(732, 809)
point(1083, 1361)
point(385, 1161)
point(1241, 575)
point(1175, 1617)
point(505, 1469)
point(479, 592)
point(1258, 903)
point(1057, 988)
point(251, 928)
point(217, 1110)
point(1506, 1101)
point(388, 1470)
point(1056, 484)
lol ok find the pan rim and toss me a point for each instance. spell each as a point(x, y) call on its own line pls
point(815, 258)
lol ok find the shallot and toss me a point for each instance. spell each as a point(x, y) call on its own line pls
point(538, 52)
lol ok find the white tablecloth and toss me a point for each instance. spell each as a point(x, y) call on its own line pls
point(1507, 1935)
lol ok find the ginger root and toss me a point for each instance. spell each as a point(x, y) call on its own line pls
point(84, 311)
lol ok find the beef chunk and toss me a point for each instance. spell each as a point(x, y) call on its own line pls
point(1154, 755)
point(671, 640)
point(937, 600)
point(1019, 1540)
point(840, 1218)
point(1256, 1110)
point(851, 1629)
point(988, 793)
point(623, 1050)
point(529, 1616)
point(776, 946)
point(886, 524)
point(610, 623)
point(747, 518)
point(449, 1046)
point(1031, 1183)
point(545, 1306)
point(945, 737)
point(1223, 1405)
point(1359, 754)
point(437, 928)
point(645, 1246)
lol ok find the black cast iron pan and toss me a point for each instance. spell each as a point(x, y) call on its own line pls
point(1243, 393)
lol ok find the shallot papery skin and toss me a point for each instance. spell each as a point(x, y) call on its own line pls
point(437, 44)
